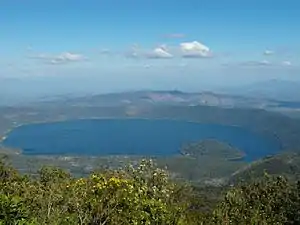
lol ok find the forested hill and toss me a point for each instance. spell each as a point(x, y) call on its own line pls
point(285, 164)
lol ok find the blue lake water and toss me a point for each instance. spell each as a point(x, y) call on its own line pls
point(132, 137)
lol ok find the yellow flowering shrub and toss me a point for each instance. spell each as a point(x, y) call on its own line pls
point(142, 195)
point(138, 195)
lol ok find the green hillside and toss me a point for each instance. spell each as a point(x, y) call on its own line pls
point(286, 164)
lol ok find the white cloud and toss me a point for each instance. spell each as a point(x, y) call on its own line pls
point(264, 63)
point(135, 52)
point(268, 52)
point(286, 63)
point(157, 53)
point(256, 63)
point(186, 50)
point(67, 56)
point(195, 49)
point(62, 58)
point(160, 53)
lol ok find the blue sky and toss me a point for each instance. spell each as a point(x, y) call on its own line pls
point(111, 45)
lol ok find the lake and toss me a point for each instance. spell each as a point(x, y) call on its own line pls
point(131, 137)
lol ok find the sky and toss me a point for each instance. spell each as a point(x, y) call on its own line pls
point(76, 46)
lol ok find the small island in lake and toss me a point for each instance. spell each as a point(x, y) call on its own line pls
point(212, 148)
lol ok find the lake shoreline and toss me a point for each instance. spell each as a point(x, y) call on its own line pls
point(6, 133)
point(136, 120)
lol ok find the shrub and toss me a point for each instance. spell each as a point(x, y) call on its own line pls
point(270, 201)
point(142, 195)
point(139, 195)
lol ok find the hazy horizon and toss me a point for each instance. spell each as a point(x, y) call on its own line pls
point(54, 47)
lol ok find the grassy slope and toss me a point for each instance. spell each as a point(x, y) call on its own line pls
point(286, 164)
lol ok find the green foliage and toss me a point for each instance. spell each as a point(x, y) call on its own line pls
point(12, 210)
point(286, 164)
point(140, 195)
point(6, 172)
point(268, 201)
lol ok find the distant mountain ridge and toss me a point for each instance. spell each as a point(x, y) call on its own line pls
point(173, 97)
point(275, 89)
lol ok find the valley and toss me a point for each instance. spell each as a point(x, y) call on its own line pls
point(213, 169)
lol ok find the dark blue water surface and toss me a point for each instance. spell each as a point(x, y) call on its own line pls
point(132, 137)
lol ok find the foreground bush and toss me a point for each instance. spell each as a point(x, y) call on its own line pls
point(140, 195)
point(268, 201)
